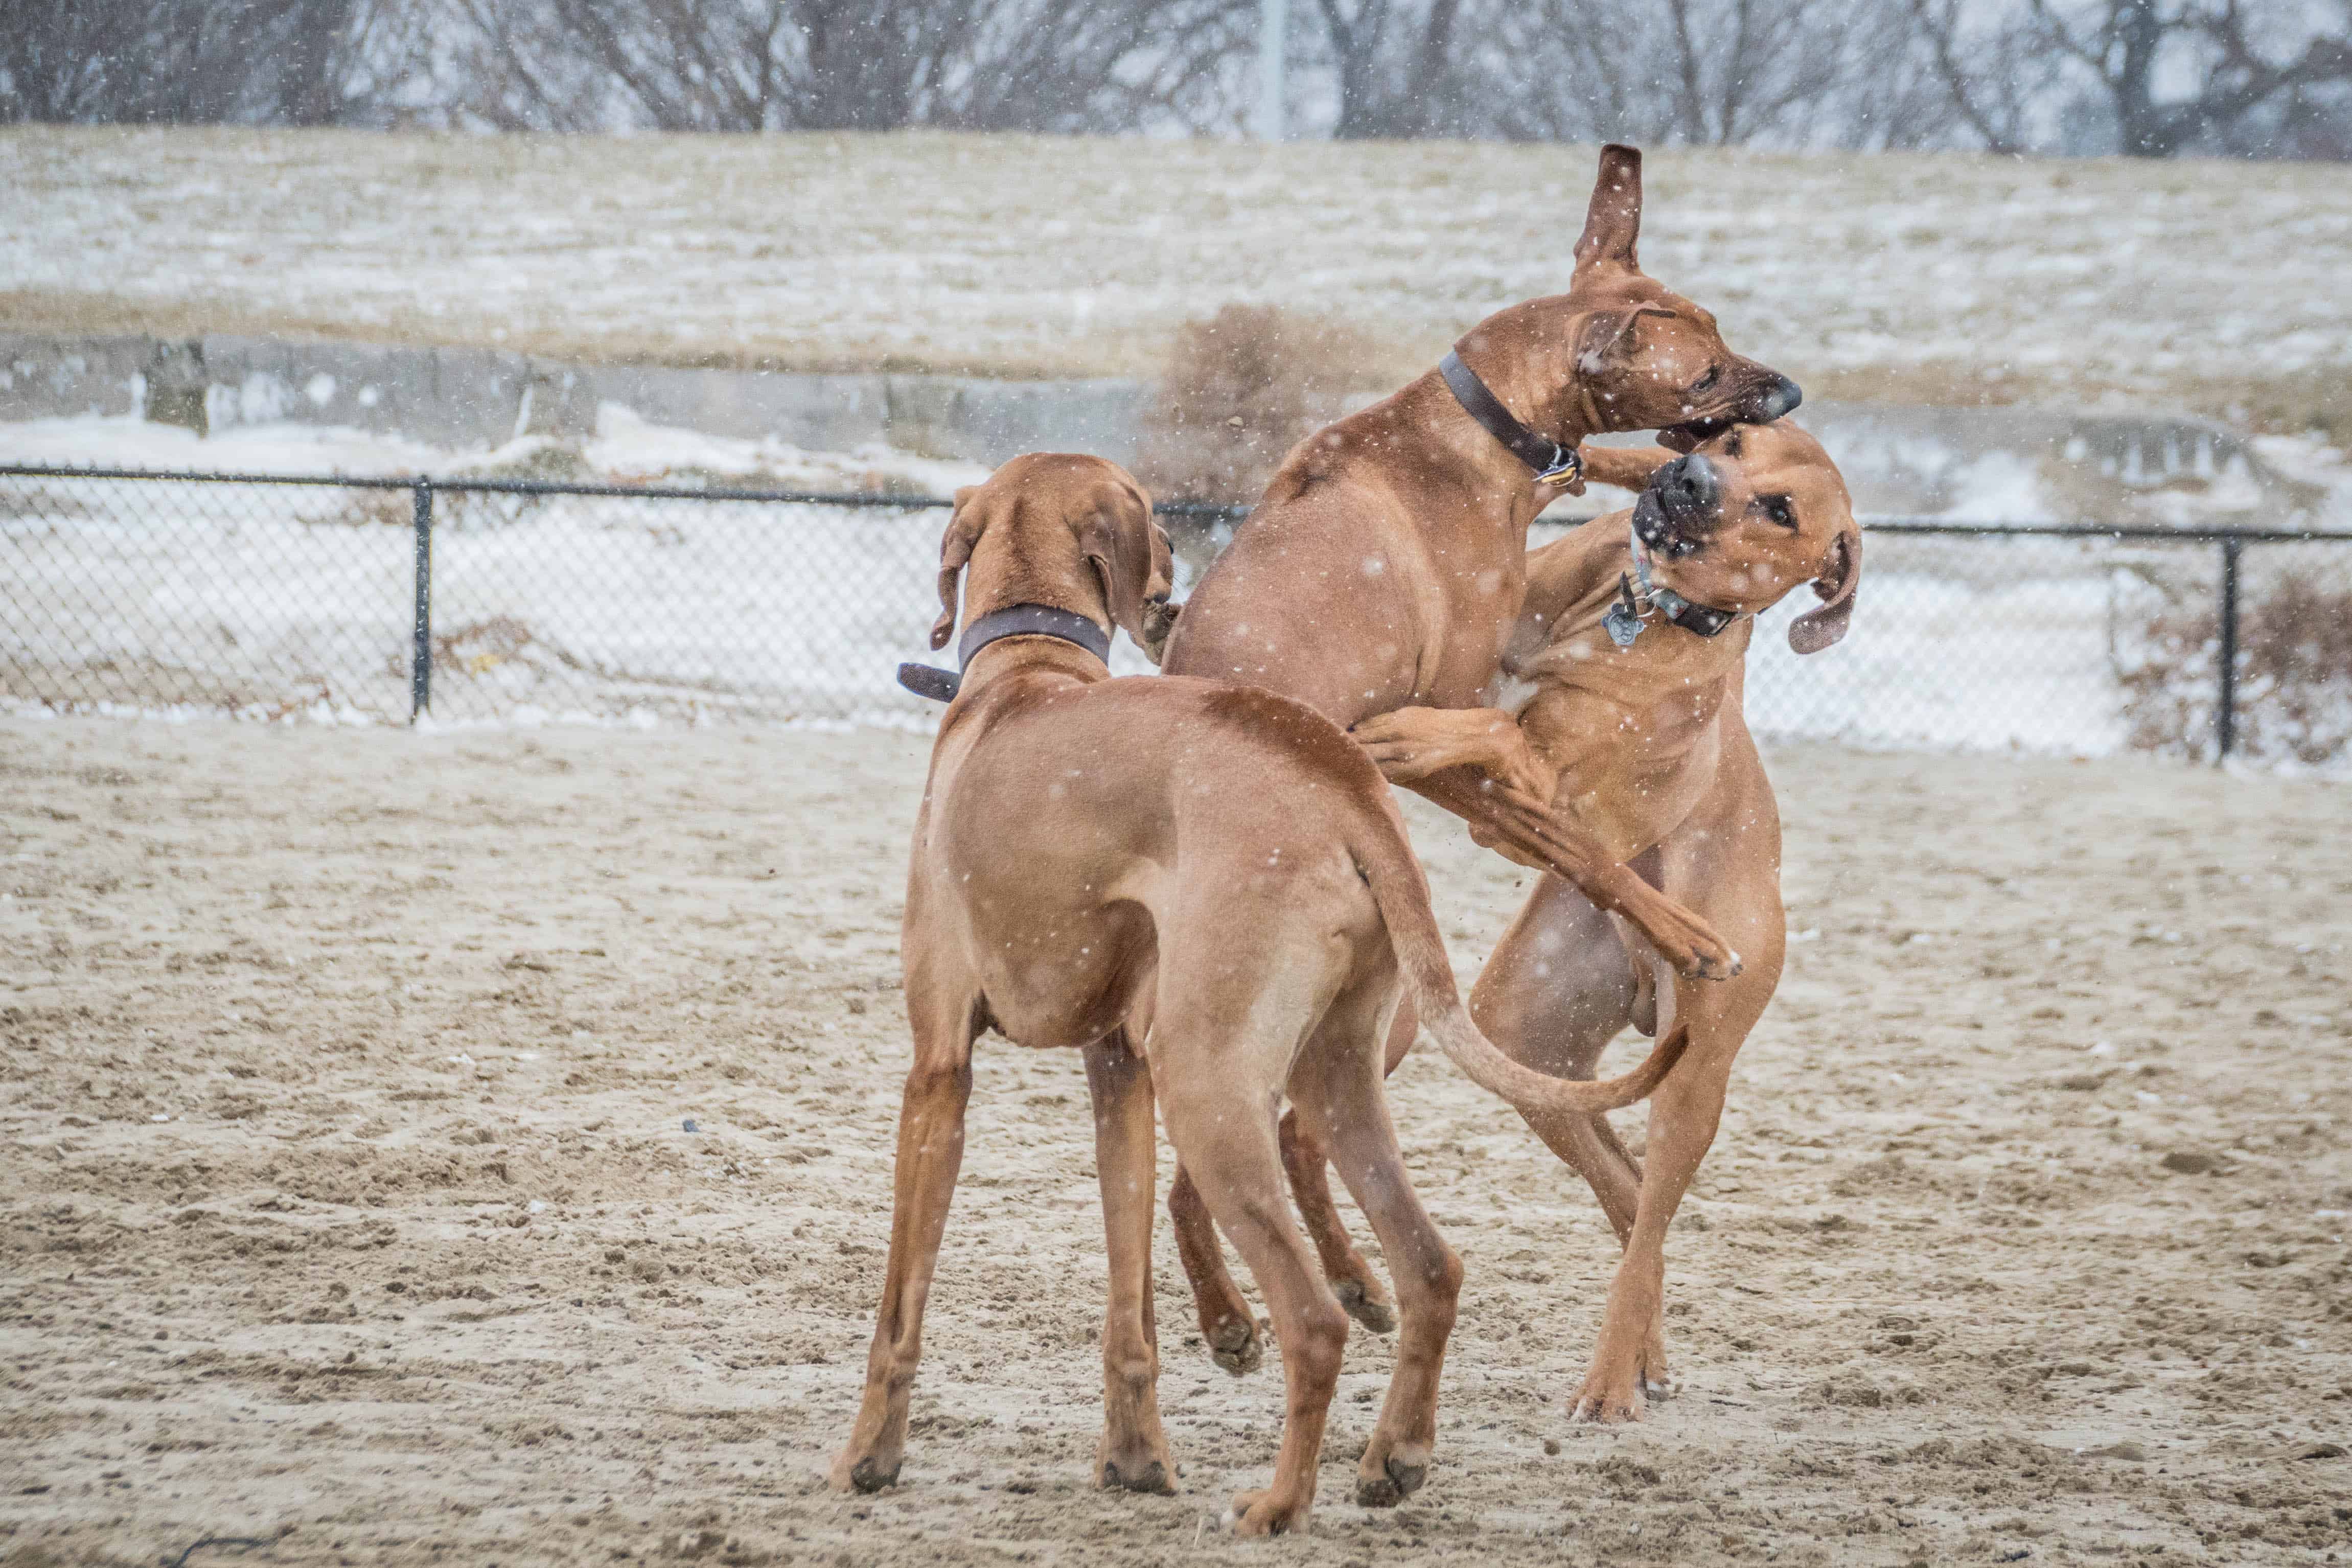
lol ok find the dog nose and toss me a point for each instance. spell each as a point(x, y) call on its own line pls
point(1780, 395)
point(1690, 486)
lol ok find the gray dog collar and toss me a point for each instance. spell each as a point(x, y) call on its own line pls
point(1631, 612)
point(1012, 621)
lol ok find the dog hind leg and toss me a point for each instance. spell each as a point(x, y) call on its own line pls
point(1558, 988)
point(1336, 1089)
point(1221, 1118)
point(1228, 1327)
point(1628, 1361)
point(1133, 1453)
point(1307, 1159)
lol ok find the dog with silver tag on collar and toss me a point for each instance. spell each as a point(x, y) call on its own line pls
point(1386, 565)
point(1634, 640)
point(1208, 890)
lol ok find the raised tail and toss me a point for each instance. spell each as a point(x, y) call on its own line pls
point(1402, 893)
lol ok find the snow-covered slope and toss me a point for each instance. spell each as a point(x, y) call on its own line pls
point(1916, 277)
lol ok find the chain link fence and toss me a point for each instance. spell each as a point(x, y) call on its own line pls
point(520, 602)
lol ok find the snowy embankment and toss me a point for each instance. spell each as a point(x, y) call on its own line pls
point(1915, 278)
point(296, 602)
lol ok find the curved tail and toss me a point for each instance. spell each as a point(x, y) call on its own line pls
point(1401, 892)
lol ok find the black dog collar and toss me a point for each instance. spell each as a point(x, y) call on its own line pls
point(1012, 621)
point(1626, 616)
point(1553, 463)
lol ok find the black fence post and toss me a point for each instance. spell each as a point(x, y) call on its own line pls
point(2225, 711)
point(420, 664)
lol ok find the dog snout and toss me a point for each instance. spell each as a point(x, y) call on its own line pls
point(1690, 488)
point(1778, 395)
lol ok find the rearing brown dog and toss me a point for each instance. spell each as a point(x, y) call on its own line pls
point(1645, 746)
point(1385, 567)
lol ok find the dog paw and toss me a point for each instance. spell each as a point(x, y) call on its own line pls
point(1697, 963)
point(1367, 1303)
point(1236, 1345)
point(1602, 1407)
point(1137, 1476)
point(1399, 1475)
point(1686, 942)
point(1264, 1513)
point(863, 1474)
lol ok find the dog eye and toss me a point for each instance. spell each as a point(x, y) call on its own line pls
point(1778, 509)
point(1714, 373)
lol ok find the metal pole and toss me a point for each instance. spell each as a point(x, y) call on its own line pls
point(1273, 89)
point(2225, 714)
point(420, 666)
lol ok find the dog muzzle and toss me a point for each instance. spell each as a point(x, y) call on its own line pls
point(1632, 611)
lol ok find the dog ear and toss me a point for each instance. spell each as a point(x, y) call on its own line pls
point(955, 552)
point(1159, 615)
point(1125, 545)
point(1607, 336)
point(1612, 222)
point(1841, 577)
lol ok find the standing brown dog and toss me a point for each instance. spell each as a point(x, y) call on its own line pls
point(1208, 889)
point(1385, 567)
point(1644, 746)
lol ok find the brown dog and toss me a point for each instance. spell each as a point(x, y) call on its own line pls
point(1645, 748)
point(1208, 889)
point(1385, 566)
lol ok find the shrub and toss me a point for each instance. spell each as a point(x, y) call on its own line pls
point(1241, 388)
point(2294, 674)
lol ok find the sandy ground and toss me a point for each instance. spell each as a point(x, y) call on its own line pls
point(349, 1206)
point(1903, 277)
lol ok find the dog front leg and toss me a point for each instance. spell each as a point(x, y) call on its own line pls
point(931, 1152)
point(1133, 1453)
point(1307, 1159)
point(1411, 744)
point(1520, 826)
point(1627, 468)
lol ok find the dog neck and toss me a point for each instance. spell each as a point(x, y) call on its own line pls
point(1562, 635)
point(1035, 636)
point(1486, 467)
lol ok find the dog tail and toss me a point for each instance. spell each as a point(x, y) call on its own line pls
point(1401, 892)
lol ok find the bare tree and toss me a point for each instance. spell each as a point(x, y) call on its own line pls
point(1395, 66)
point(2166, 76)
point(1092, 66)
point(2154, 78)
point(866, 65)
point(2125, 45)
point(1993, 71)
point(1710, 72)
point(265, 62)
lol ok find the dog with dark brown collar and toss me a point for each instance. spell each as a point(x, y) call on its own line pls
point(1208, 890)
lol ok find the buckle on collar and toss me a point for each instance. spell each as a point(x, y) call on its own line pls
point(1566, 468)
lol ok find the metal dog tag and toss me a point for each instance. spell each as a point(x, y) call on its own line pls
point(1623, 622)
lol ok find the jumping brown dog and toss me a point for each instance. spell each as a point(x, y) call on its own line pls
point(1646, 747)
point(1206, 887)
point(1386, 565)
